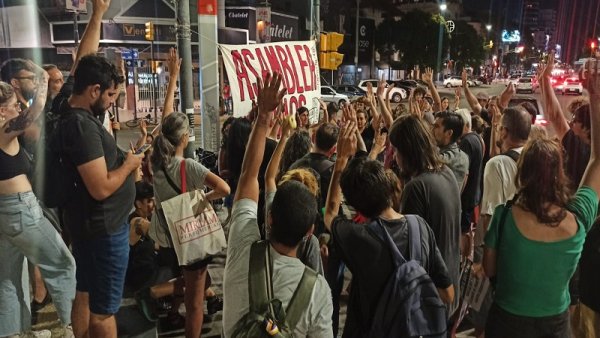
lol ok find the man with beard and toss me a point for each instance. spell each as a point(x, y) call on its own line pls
point(97, 215)
point(21, 76)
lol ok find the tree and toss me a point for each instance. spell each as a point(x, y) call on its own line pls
point(386, 42)
point(417, 37)
point(466, 46)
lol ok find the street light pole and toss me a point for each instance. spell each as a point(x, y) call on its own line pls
point(356, 43)
point(443, 8)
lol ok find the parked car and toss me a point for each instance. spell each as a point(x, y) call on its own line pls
point(572, 86)
point(396, 94)
point(474, 82)
point(525, 84)
point(328, 94)
point(558, 81)
point(349, 90)
point(453, 81)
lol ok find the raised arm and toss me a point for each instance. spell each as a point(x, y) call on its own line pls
point(471, 99)
point(273, 167)
point(428, 79)
point(174, 64)
point(346, 147)
point(90, 40)
point(496, 116)
point(552, 108)
point(591, 177)
point(506, 95)
point(382, 95)
point(456, 98)
point(269, 97)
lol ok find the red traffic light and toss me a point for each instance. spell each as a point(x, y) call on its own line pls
point(593, 44)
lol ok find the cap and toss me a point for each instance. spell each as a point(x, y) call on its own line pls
point(482, 96)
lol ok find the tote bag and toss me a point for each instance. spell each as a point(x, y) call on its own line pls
point(193, 224)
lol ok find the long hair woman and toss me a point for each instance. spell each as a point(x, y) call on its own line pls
point(533, 246)
point(166, 161)
point(24, 230)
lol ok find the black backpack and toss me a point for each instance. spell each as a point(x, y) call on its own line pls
point(409, 305)
point(59, 182)
point(266, 317)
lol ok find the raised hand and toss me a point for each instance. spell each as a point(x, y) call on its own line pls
point(428, 75)
point(463, 77)
point(370, 97)
point(349, 114)
point(591, 78)
point(173, 61)
point(269, 95)
point(547, 72)
point(346, 144)
point(100, 6)
point(457, 93)
point(143, 128)
point(381, 85)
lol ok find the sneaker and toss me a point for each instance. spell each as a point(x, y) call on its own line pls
point(33, 334)
point(214, 304)
point(66, 332)
point(146, 304)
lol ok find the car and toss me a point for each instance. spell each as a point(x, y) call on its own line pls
point(540, 120)
point(396, 94)
point(525, 84)
point(349, 90)
point(558, 82)
point(453, 81)
point(328, 94)
point(572, 86)
point(474, 82)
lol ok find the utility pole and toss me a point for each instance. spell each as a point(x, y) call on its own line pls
point(186, 85)
point(356, 43)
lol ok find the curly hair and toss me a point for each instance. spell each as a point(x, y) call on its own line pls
point(6, 92)
point(541, 180)
point(296, 147)
point(304, 176)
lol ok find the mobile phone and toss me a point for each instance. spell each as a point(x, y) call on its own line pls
point(142, 149)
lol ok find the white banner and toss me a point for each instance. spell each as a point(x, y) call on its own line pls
point(297, 61)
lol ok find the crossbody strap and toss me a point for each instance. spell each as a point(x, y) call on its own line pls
point(183, 178)
point(414, 238)
point(507, 206)
point(258, 279)
point(301, 298)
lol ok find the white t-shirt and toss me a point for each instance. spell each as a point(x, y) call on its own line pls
point(498, 186)
point(287, 272)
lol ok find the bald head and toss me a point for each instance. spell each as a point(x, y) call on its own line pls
point(517, 122)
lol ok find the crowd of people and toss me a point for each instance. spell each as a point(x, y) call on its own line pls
point(363, 187)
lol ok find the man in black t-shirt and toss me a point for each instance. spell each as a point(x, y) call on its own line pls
point(367, 188)
point(97, 214)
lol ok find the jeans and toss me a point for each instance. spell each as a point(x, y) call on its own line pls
point(25, 232)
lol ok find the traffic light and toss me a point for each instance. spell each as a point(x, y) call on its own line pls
point(593, 45)
point(329, 58)
point(149, 31)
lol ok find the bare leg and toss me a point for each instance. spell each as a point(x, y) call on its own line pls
point(39, 288)
point(104, 326)
point(194, 301)
point(80, 316)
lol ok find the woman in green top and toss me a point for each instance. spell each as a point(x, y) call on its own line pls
point(534, 252)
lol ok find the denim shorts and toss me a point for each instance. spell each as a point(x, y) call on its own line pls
point(101, 268)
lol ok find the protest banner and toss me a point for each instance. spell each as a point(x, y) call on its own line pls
point(297, 61)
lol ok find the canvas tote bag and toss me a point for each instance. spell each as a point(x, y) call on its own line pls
point(193, 224)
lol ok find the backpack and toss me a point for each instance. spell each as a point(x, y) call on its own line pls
point(59, 181)
point(266, 317)
point(409, 305)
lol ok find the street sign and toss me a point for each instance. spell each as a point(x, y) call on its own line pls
point(140, 63)
point(126, 55)
point(129, 63)
point(135, 54)
point(450, 26)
